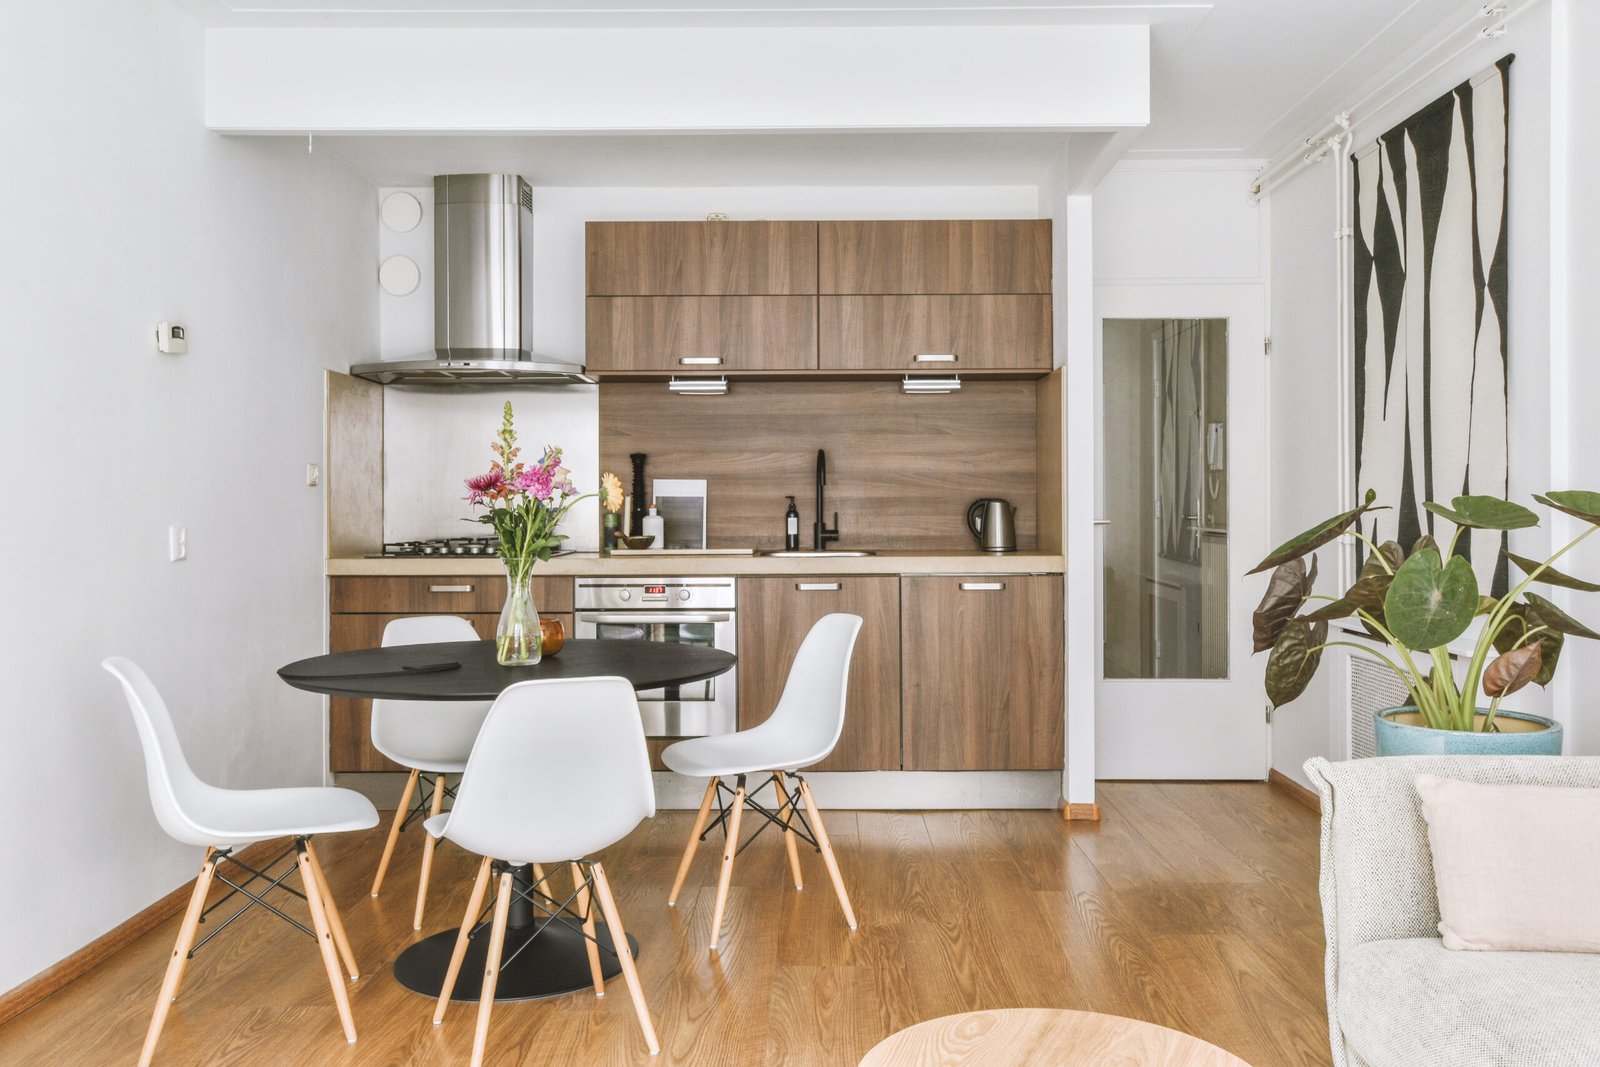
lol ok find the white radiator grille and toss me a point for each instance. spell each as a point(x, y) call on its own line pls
point(1373, 687)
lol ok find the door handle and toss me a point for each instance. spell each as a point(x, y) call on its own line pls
point(817, 587)
point(986, 587)
point(934, 357)
point(648, 618)
point(700, 361)
point(450, 588)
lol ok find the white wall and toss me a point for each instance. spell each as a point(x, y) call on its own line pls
point(1575, 377)
point(1306, 434)
point(126, 211)
point(436, 438)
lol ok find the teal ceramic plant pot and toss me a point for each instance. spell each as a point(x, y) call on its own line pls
point(1518, 734)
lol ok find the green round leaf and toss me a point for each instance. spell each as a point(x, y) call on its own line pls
point(1431, 603)
point(1485, 513)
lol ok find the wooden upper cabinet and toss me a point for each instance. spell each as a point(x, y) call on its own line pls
point(702, 258)
point(775, 614)
point(688, 334)
point(983, 660)
point(935, 333)
point(934, 257)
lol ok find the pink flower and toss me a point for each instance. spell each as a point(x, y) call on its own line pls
point(480, 487)
point(536, 482)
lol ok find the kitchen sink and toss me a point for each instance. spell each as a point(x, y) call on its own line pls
point(811, 553)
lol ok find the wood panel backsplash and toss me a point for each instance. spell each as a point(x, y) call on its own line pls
point(901, 469)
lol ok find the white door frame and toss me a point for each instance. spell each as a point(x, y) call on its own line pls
point(1182, 728)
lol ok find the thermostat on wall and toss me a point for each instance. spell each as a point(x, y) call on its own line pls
point(171, 339)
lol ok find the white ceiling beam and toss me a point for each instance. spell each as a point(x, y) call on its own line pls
point(724, 79)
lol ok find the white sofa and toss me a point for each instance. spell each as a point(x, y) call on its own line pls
point(1396, 996)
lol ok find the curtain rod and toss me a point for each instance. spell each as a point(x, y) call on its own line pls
point(1316, 146)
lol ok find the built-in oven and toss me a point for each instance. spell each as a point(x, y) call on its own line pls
point(683, 611)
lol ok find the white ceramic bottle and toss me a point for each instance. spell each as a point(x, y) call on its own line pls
point(654, 524)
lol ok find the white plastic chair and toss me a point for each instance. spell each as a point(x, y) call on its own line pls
point(220, 820)
point(559, 771)
point(428, 736)
point(802, 730)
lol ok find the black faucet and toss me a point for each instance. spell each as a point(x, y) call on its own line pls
point(823, 535)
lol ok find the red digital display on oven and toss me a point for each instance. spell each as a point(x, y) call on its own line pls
point(655, 590)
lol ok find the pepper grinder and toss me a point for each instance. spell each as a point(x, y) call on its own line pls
point(636, 510)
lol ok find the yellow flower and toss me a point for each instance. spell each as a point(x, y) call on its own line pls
point(611, 492)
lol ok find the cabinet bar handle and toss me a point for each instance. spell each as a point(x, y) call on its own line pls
point(700, 361)
point(934, 357)
point(817, 587)
point(449, 588)
point(974, 587)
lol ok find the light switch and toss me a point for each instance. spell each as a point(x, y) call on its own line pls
point(177, 543)
point(171, 339)
point(313, 474)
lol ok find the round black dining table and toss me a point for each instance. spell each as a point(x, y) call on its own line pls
point(542, 958)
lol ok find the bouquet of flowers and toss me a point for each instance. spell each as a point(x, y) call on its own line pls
point(524, 503)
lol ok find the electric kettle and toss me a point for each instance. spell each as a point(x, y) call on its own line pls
point(993, 523)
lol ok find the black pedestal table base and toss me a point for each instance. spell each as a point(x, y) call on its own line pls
point(556, 963)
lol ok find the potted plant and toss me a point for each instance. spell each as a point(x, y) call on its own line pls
point(523, 503)
point(1416, 603)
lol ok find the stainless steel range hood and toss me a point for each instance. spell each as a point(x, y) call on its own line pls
point(483, 292)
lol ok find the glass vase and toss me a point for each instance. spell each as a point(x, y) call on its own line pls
point(517, 639)
point(608, 533)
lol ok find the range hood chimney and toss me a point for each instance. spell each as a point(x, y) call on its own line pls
point(483, 291)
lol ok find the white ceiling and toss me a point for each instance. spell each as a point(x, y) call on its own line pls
point(1230, 78)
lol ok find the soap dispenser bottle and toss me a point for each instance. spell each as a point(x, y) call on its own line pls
point(791, 527)
point(655, 527)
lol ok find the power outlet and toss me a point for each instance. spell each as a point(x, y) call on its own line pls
point(177, 543)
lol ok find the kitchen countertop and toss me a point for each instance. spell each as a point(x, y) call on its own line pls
point(643, 564)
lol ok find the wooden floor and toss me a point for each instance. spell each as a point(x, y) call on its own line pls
point(1189, 905)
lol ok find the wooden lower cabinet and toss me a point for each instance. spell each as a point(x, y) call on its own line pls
point(775, 614)
point(983, 660)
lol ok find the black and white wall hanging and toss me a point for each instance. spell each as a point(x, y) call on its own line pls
point(1430, 317)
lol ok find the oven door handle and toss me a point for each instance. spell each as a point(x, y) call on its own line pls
point(640, 619)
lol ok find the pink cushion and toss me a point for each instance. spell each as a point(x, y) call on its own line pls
point(1516, 867)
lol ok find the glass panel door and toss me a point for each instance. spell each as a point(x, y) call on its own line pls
point(1165, 455)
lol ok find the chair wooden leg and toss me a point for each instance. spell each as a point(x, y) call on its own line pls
point(180, 952)
point(827, 852)
point(336, 924)
point(786, 809)
point(630, 974)
point(730, 847)
point(491, 967)
point(394, 829)
point(428, 845)
point(586, 909)
point(330, 955)
point(694, 842)
point(474, 905)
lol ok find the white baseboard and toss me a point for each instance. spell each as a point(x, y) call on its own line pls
point(843, 790)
